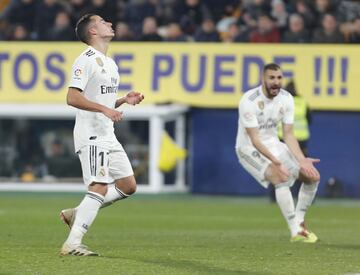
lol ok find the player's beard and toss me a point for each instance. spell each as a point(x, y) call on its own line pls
point(272, 90)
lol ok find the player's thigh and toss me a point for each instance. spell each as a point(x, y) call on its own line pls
point(254, 163)
point(95, 164)
point(287, 159)
point(119, 165)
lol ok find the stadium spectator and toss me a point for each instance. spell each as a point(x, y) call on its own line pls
point(302, 8)
point(355, 34)
point(229, 17)
point(136, 12)
point(104, 8)
point(45, 18)
point(321, 8)
point(122, 32)
point(22, 13)
point(266, 31)
point(190, 14)
point(78, 8)
point(19, 33)
point(175, 34)
point(231, 34)
point(252, 10)
point(329, 32)
point(270, 161)
point(297, 32)
point(207, 32)
point(102, 157)
point(280, 15)
point(62, 29)
point(150, 31)
point(302, 121)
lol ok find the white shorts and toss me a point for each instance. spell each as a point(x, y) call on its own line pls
point(256, 163)
point(103, 165)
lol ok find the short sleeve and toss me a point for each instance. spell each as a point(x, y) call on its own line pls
point(80, 73)
point(247, 114)
point(288, 117)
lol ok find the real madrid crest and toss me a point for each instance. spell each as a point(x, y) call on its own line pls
point(99, 61)
point(261, 105)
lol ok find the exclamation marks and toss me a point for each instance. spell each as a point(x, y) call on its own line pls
point(331, 69)
point(344, 73)
point(317, 70)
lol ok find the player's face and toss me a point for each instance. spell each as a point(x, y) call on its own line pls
point(272, 82)
point(103, 29)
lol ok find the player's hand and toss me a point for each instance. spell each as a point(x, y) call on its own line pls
point(308, 169)
point(134, 98)
point(113, 114)
point(280, 171)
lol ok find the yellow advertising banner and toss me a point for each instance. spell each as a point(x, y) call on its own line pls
point(202, 75)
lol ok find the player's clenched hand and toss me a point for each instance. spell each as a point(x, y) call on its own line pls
point(134, 98)
point(308, 169)
point(113, 114)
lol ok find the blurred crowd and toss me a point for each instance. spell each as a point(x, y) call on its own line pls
point(255, 21)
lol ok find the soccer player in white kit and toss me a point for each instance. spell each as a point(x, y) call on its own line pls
point(269, 160)
point(106, 169)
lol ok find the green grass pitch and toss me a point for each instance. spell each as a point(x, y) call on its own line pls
point(178, 234)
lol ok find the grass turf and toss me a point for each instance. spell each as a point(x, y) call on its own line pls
point(177, 234)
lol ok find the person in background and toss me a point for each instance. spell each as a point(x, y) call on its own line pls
point(302, 121)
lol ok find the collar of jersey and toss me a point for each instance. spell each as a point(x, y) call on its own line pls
point(263, 96)
point(96, 51)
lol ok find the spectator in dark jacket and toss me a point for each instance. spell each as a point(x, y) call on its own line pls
point(45, 17)
point(297, 32)
point(207, 32)
point(22, 12)
point(355, 34)
point(329, 32)
point(175, 34)
point(191, 14)
point(62, 29)
point(149, 30)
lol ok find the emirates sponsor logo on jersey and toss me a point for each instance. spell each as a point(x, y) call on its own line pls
point(270, 123)
point(108, 89)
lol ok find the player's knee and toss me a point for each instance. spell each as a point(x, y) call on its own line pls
point(127, 185)
point(314, 179)
point(99, 188)
point(132, 187)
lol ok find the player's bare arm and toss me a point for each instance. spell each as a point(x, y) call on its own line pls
point(255, 140)
point(277, 171)
point(306, 164)
point(76, 99)
point(131, 98)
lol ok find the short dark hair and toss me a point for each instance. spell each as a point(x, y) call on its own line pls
point(82, 25)
point(271, 66)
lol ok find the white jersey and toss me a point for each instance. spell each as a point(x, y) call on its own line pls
point(256, 110)
point(96, 75)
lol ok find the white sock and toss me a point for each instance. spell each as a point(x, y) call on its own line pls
point(85, 215)
point(113, 194)
point(305, 198)
point(286, 203)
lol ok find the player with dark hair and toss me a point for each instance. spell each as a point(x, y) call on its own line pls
point(268, 159)
point(93, 91)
